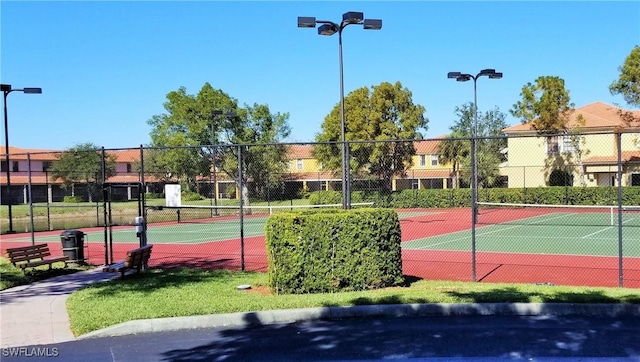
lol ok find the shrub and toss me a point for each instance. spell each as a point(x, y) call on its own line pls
point(330, 251)
point(72, 199)
point(191, 196)
point(560, 178)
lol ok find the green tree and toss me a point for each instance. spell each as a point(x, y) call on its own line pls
point(385, 112)
point(82, 164)
point(546, 105)
point(628, 82)
point(454, 150)
point(190, 135)
point(628, 85)
point(489, 125)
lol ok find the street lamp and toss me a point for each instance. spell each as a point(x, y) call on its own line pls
point(6, 89)
point(214, 152)
point(463, 77)
point(330, 28)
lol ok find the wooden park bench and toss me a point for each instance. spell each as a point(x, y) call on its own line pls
point(32, 256)
point(136, 259)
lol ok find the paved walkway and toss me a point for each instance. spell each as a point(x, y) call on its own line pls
point(36, 314)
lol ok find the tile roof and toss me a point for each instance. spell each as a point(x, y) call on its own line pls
point(428, 147)
point(597, 116)
point(627, 156)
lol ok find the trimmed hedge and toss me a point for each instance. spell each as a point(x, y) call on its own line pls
point(446, 198)
point(331, 251)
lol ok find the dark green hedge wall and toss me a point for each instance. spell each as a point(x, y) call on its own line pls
point(331, 251)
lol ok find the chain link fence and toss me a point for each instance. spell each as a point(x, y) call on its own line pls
point(218, 218)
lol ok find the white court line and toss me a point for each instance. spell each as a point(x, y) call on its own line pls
point(605, 229)
point(489, 232)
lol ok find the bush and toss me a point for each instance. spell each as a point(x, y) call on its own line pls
point(331, 251)
point(191, 196)
point(72, 199)
point(560, 178)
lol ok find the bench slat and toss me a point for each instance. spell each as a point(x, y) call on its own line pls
point(135, 259)
point(32, 256)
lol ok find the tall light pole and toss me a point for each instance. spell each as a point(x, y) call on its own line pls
point(214, 152)
point(463, 77)
point(330, 28)
point(6, 89)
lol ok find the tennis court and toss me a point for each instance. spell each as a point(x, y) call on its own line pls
point(560, 230)
point(569, 246)
point(190, 230)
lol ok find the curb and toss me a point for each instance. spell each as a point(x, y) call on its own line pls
point(282, 316)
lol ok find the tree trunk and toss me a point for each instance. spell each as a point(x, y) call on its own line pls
point(245, 197)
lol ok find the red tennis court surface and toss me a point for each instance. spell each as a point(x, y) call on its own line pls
point(597, 271)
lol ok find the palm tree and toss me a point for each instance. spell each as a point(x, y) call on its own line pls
point(454, 149)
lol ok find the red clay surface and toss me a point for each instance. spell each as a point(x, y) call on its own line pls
point(426, 264)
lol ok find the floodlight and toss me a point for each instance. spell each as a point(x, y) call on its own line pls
point(306, 22)
point(372, 24)
point(352, 17)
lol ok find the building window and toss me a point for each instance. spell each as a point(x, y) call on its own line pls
point(414, 184)
point(560, 144)
point(291, 165)
point(3, 166)
point(15, 166)
point(434, 160)
point(552, 145)
point(321, 166)
point(299, 164)
point(46, 165)
point(567, 145)
point(128, 168)
point(423, 160)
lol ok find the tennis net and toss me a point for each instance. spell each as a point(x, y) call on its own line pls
point(570, 215)
point(207, 213)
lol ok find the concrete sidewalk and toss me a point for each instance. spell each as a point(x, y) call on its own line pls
point(36, 314)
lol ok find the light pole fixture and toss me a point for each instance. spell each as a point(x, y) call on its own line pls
point(6, 89)
point(463, 77)
point(330, 28)
point(214, 153)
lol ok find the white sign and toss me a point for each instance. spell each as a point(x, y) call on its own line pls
point(172, 195)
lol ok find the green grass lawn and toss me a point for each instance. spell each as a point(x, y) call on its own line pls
point(188, 292)
point(11, 276)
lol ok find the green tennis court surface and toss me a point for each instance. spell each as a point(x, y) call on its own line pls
point(553, 233)
point(188, 232)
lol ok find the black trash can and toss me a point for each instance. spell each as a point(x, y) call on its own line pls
point(73, 245)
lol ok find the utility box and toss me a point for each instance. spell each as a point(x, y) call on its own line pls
point(73, 245)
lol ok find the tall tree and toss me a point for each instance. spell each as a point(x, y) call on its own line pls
point(383, 113)
point(628, 83)
point(82, 164)
point(546, 105)
point(489, 125)
point(454, 150)
point(192, 134)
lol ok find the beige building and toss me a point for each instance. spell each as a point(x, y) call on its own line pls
point(588, 151)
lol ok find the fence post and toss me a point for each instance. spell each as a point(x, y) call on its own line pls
point(240, 192)
point(620, 253)
point(33, 239)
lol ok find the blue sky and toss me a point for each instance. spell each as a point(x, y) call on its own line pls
point(105, 67)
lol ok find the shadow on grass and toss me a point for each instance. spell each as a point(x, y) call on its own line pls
point(154, 279)
point(13, 277)
point(515, 295)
